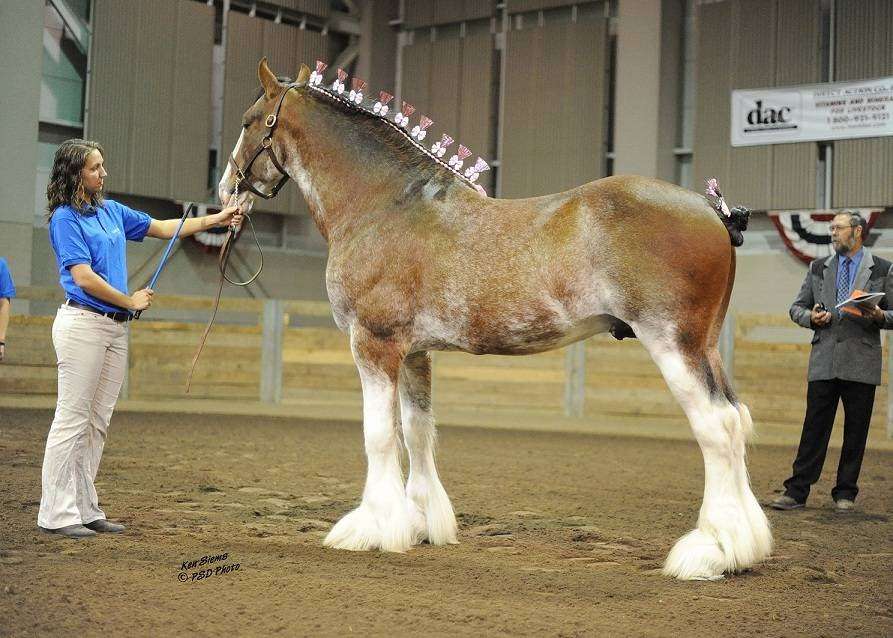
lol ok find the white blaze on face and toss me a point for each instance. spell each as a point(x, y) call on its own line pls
point(225, 186)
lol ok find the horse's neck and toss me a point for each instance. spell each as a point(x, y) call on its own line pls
point(344, 173)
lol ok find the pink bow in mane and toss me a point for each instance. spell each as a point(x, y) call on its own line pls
point(418, 131)
point(381, 107)
point(402, 118)
point(439, 148)
point(338, 85)
point(356, 91)
point(457, 160)
point(473, 172)
point(316, 76)
point(714, 195)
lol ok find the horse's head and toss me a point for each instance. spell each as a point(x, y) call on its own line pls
point(254, 167)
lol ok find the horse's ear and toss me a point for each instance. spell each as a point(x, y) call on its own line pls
point(267, 79)
point(303, 74)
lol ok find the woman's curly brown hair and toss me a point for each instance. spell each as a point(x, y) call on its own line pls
point(65, 186)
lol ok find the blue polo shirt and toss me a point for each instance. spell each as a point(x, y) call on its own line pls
point(7, 288)
point(96, 237)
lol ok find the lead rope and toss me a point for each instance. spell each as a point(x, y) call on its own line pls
point(232, 236)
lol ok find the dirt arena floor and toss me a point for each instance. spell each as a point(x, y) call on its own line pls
point(561, 535)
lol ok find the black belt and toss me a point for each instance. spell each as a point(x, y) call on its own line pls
point(120, 317)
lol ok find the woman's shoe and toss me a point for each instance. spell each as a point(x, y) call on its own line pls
point(71, 531)
point(103, 525)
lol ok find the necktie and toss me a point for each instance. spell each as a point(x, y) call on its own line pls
point(843, 281)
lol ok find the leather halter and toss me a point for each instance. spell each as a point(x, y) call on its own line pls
point(232, 235)
point(245, 176)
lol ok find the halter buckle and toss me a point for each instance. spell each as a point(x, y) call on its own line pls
point(267, 142)
point(271, 120)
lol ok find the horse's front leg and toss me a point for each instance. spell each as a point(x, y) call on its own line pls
point(429, 505)
point(382, 520)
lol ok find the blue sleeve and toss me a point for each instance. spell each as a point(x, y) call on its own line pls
point(68, 240)
point(7, 288)
point(136, 223)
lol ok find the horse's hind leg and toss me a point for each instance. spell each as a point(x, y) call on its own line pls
point(732, 533)
point(428, 502)
point(382, 520)
point(759, 524)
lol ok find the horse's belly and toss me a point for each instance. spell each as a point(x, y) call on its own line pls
point(517, 337)
point(531, 339)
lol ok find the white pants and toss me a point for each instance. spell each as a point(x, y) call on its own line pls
point(92, 357)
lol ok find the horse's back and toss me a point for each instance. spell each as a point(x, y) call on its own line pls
point(668, 221)
point(634, 195)
point(634, 201)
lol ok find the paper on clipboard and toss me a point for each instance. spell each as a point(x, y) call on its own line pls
point(858, 300)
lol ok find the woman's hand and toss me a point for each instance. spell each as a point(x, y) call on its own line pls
point(141, 299)
point(229, 216)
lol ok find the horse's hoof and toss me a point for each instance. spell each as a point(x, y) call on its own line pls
point(360, 531)
point(711, 550)
point(417, 522)
point(696, 556)
point(436, 521)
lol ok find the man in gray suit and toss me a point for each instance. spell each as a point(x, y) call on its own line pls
point(845, 362)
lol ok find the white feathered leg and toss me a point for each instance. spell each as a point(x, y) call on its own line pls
point(382, 520)
point(427, 501)
point(759, 524)
point(732, 533)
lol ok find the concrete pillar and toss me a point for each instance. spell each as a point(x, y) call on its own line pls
point(377, 56)
point(648, 83)
point(271, 352)
point(575, 379)
point(21, 49)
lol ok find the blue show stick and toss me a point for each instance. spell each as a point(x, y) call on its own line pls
point(167, 253)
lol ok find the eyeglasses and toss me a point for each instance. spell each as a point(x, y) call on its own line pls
point(837, 227)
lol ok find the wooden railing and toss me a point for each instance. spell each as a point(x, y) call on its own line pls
point(264, 351)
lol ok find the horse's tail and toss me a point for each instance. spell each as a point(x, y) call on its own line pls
point(735, 220)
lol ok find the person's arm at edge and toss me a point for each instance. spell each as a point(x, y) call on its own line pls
point(4, 324)
point(165, 228)
point(98, 287)
point(882, 317)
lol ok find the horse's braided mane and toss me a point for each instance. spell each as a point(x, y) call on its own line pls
point(410, 151)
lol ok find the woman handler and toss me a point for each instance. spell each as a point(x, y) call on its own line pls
point(88, 236)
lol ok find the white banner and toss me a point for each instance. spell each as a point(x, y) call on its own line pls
point(809, 113)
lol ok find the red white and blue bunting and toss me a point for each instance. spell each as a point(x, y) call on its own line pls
point(805, 233)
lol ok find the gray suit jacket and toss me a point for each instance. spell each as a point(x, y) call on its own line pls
point(850, 347)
